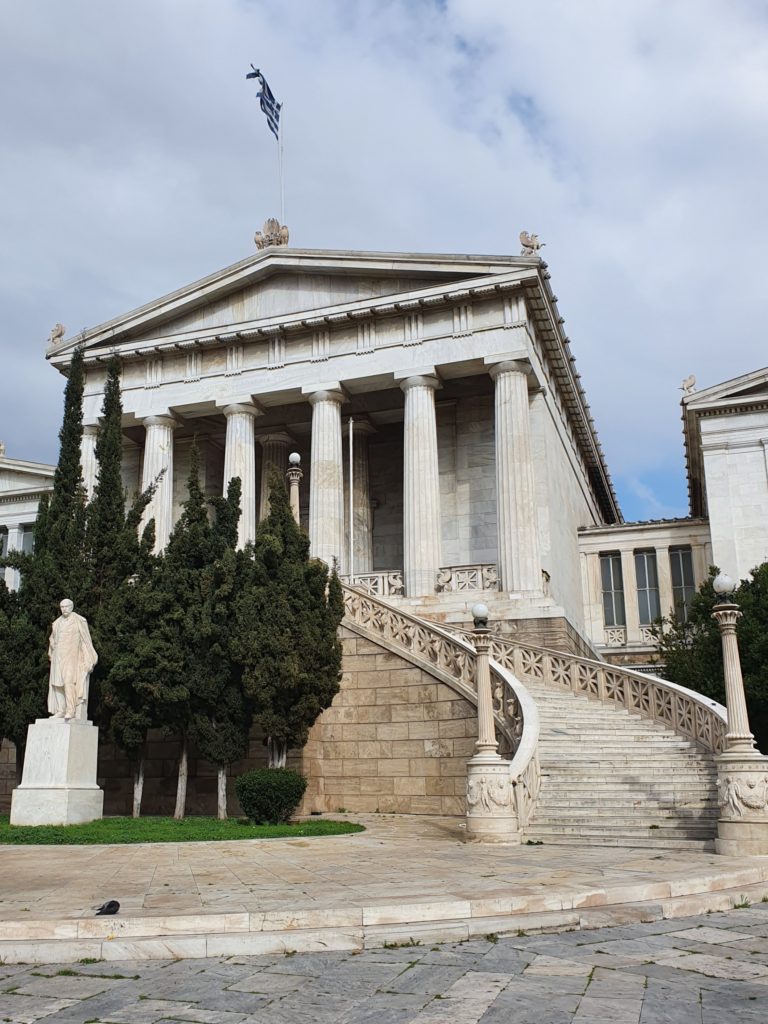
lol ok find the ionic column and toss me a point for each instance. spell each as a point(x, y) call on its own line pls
point(158, 470)
point(15, 543)
point(88, 464)
point(518, 535)
point(240, 460)
point(362, 519)
point(274, 456)
point(421, 487)
point(326, 481)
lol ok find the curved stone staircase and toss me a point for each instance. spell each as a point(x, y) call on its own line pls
point(610, 777)
point(612, 757)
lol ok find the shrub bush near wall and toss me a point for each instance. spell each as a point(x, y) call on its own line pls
point(270, 795)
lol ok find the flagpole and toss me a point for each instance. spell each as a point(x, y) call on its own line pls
point(280, 163)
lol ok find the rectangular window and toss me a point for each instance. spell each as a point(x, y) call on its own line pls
point(613, 589)
point(647, 587)
point(28, 540)
point(3, 542)
point(683, 583)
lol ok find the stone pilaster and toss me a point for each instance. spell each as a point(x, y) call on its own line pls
point(158, 470)
point(326, 482)
point(88, 464)
point(274, 458)
point(518, 535)
point(421, 486)
point(240, 460)
point(362, 517)
point(664, 573)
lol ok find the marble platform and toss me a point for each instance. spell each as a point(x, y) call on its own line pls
point(404, 878)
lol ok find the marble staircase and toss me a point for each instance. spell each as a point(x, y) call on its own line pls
point(612, 778)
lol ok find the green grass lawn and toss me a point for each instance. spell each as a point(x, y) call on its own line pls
point(164, 830)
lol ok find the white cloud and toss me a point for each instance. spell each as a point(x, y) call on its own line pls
point(631, 136)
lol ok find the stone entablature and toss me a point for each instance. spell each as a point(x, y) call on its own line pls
point(726, 439)
point(633, 638)
point(22, 484)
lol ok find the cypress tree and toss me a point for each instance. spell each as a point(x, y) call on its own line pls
point(286, 634)
point(55, 569)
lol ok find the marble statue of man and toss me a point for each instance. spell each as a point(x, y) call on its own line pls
point(72, 660)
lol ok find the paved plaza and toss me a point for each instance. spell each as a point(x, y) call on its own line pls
point(704, 969)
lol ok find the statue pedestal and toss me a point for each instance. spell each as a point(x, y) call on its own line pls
point(742, 784)
point(58, 785)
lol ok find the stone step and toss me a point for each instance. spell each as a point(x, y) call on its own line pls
point(600, 805)
point(624, 828)
point(632, 842)
point(609, 818)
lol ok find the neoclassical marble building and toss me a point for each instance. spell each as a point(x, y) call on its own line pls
point(475, 463)
point(430, 417)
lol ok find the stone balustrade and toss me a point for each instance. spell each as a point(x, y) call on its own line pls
point(688, 713)
point(458, 578)
point(378, 584)
point(452, 659)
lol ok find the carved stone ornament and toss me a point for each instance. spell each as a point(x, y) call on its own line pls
point(57, 334)
point(741, 792)
point(489, 794)
point(530, 244)
point(273, 233)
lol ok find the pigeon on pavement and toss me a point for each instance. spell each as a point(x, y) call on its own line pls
point(110, 907)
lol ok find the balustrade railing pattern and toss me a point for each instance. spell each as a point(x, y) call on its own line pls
point(688, 713)
point(378, 584)
point(454, 658)
point(459, 578)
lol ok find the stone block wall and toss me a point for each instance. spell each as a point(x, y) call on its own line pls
point(394, 740)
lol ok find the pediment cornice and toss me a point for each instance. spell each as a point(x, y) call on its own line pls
point(278, 259)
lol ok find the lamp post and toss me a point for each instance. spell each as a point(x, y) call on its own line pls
point(294, 475)
point(491, 812)
point(742, 772)
point(726, 614)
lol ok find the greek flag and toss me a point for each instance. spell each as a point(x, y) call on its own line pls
point(267, 101)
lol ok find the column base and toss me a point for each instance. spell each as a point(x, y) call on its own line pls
point(491, 813)
point(58, 785)
point(742, 784)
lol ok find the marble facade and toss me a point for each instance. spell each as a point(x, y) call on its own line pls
point(455, 373)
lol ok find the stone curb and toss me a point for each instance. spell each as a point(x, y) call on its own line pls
point(186, 936)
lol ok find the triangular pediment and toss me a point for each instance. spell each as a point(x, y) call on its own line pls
point(745, 390)
point(282, 282)
point(17, 475)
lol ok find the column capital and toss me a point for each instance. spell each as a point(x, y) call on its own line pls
point(418, 380)
point(90, 429)
point(726, 615)
point(325, 394)
point(242, 408)
point(521, 366)
point(164, 420)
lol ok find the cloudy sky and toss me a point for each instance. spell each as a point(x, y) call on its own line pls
point(632, 136)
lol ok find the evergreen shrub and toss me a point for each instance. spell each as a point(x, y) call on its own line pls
point(270, 795)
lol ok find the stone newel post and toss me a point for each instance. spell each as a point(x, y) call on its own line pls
point(742, 772)
point(294, 476)
point(491, 813)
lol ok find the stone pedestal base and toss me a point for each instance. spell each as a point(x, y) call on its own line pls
point(742, 786)
point(491, 813)
point(58, 785)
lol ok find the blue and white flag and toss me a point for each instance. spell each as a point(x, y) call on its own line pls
point(267, 101)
